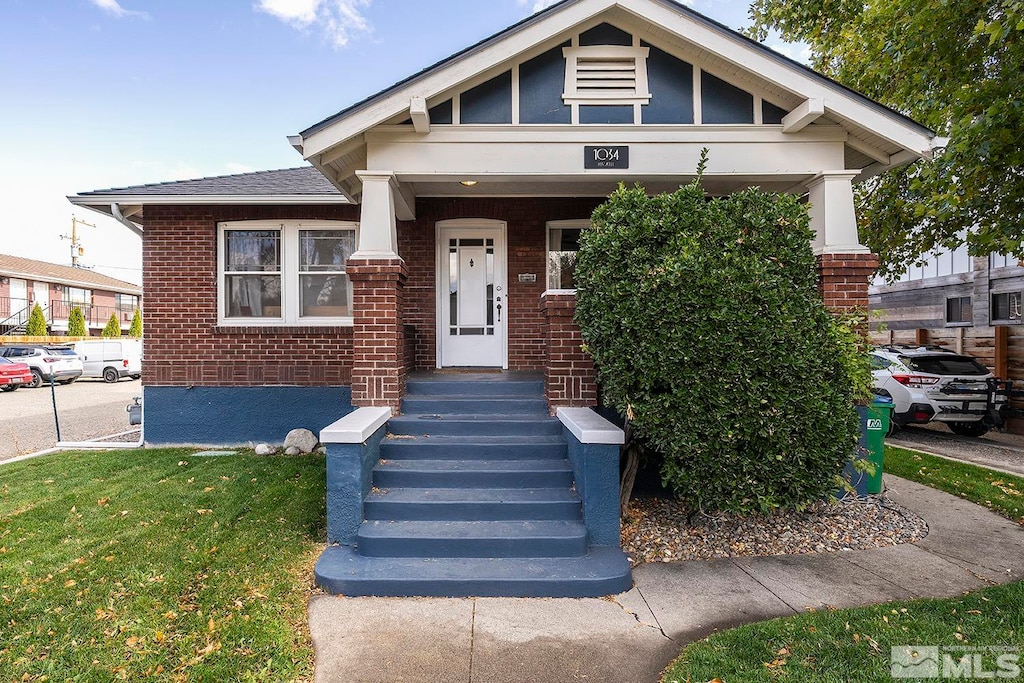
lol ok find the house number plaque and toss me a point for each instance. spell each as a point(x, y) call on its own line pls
point(605, 157)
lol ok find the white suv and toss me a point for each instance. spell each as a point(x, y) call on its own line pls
point(46, 361)
point(955, 387)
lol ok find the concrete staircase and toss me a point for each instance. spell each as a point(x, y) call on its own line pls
point(473, 495)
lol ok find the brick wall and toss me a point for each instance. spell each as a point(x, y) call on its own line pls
point(843, 280)
point(569, 375)
point(527, 245)
point(378, 348)
point(184, 345)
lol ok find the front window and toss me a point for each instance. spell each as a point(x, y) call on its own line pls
point(291, 272)
point(1006, 307)
point(126, 303)
point(563, 247)
point(959, 310)
point(78, 296)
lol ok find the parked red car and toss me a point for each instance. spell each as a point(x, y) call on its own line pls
point(13, 375)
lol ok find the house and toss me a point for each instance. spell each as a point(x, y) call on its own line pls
point(969, 304)
point(57, 289)
point(433, 230)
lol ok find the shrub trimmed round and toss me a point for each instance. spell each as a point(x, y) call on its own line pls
point(704, 320)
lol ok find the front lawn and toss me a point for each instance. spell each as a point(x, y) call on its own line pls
point(854, 644)
point(129, 564)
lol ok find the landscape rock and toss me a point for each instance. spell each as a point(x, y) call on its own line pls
point(293, 450)
point(322, 450)
point(265, 449)
point(303, 439)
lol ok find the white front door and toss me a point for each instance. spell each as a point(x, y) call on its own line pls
point(41, 294)
point(19, 300)
point(471, 294)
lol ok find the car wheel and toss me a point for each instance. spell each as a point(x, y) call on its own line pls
point(111, 375)
point(37, 379)
point(969, 428)
point(9, 387)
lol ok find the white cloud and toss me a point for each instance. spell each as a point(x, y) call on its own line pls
point(113, 8)
point(339, 19)
point(536, 5)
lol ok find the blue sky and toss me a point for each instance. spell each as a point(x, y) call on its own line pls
point(107, 93)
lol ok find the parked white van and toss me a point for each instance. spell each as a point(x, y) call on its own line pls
point(110, 359)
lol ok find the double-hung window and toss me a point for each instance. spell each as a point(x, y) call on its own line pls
point(290, 272)
point(563, 246)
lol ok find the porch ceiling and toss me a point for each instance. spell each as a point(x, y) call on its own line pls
point(503, 186)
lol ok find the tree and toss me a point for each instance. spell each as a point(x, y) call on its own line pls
point(135, 331)
point(76, 323)
point(705, 323)
point(956, 66)
point(113, 328)
point(36, 322)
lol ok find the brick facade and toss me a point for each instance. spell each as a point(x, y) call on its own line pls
point(185, 346)
point(843, 280)
point(569, 375)
point(527, 253)
point(378, 347)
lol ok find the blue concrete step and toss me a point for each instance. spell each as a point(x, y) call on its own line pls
point(602, 571)
point(473, 504)
point(490, 385)
point(520, 538)
point(462, 404)
point(478, 425)
point(469, 447)
point(390, 474)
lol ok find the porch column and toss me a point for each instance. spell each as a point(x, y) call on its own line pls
point(378, 277)
point(569, 375)
point(845, 266)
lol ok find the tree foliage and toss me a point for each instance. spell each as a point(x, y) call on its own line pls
point(36, 322)
point(76, 323)
point(135, 330)
point(956, 66)
point(113, 327)
point(705, 323)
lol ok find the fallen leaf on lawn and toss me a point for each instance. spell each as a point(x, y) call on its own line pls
point(132, 642)
point(207, 489)
point(782, 652)
point(69, 583)
point(210, 625)
point(775, 664)
point(182, 463)
point(204, 511)
point(159, 636)
point(103, 501)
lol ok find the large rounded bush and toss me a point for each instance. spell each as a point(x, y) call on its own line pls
point(704, 319)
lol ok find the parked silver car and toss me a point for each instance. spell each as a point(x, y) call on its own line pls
point(953, 386)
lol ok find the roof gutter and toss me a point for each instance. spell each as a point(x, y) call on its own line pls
point(115, 211)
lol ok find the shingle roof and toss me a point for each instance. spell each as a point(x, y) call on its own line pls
point(305, 180)
point(16, 266)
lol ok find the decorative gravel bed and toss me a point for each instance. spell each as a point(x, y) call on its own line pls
point(664, 530)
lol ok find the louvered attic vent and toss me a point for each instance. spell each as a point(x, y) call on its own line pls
point(606, 74)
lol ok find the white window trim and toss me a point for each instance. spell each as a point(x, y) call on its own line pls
point(640, 94)
point(289, 273)
point(572, 224)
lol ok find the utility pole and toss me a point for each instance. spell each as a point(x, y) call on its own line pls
point(76, 247)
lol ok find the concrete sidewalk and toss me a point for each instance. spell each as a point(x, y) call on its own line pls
point(633, 636)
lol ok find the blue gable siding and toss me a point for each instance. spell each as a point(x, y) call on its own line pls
point(723, 102)
point(771, 114)
point(441, 113)
point(489, 102)
point(671, 84)
point(605, 34)
point(541, 81)
point(616, 113)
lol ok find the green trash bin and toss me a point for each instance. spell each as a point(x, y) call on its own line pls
point(874, 426)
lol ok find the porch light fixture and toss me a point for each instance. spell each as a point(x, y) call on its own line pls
point(468, 183)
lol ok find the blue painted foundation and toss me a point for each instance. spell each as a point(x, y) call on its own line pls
point(237, 416)
point(349, 476)
point(596, 468)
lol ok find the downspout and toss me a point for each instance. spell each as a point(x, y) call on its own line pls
point(115, 211)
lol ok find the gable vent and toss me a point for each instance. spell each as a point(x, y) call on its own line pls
point(605, 74)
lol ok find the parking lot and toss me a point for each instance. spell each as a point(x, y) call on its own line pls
point(87, 409)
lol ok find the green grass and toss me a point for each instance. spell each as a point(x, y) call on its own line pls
point(130, 564)
point(854, 644)
point(1001, 493)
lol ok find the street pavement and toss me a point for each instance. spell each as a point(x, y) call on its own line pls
point(87, 409)
point(633, 636)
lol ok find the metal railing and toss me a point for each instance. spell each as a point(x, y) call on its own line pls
point(14, 314)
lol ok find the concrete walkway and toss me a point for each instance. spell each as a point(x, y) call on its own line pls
point(633, 636)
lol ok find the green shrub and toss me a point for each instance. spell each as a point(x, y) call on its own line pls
point(135, 331)
point(36, 322)
point(113, 327)
point(704, 320)
point(76, 323)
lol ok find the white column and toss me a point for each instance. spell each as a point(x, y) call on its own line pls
point(833, 217)
point(378, 232)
